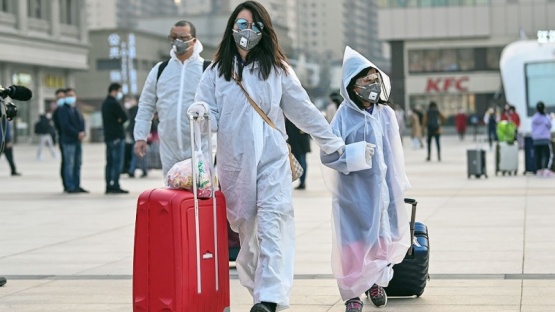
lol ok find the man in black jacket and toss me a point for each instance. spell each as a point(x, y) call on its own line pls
point(113, 117)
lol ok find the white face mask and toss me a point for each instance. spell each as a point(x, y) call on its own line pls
point(119, 96)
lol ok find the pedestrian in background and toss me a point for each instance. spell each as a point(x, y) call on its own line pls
point(416, 129)
point(300, 146)
point(253, 157)
point(113, 118)
point(60, 99)
point(460, 123)
point(72, 133)
point(400, 116)
point(541, 136)
point(370, 224)
point(8, 148)
point(43, 128)
point(474, 121)
point(333, 106)
point(491, 118)
point(433, 119)
point(132, 108)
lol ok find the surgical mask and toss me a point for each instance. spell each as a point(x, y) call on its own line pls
point(70, 100)
point(180, 47)
point(246, 39)
point(119, 96)
point(127, 105)
point(61, 101)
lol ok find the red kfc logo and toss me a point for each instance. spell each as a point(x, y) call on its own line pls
point(445, 84)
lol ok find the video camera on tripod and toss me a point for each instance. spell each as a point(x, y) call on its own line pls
point(8, 110)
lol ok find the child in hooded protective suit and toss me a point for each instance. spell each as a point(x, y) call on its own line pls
point(370, 223)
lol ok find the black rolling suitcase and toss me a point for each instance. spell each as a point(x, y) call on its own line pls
point(529, 155)
point(411, 275)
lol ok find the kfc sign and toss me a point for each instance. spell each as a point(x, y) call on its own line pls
point(445, 84)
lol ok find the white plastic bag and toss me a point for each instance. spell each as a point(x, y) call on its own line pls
point(180, 176)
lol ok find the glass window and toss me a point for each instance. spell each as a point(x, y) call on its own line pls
point(492, 57)
point(6, 6)
point(448, 60)
point(68, 12)
point(540, 79)
point(448, 104)
point(466, 59)
point(416, 61)
point(431, 60)
point(108, 64)
point(37, 9)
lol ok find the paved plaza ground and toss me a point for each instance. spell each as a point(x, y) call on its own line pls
point(492, 242)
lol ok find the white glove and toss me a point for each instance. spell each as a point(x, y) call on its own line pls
point(370, 149)
point(198, 109)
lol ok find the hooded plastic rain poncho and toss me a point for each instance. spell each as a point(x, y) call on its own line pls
point(170, 96)
point(370, 223)
point(254, 171)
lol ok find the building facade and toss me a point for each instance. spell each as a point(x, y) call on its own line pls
point(43, 45)
point(125, 14)
point(449, 51)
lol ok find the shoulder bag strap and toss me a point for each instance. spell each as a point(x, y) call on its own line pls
point(254, 105)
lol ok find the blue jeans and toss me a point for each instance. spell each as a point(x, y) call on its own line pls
point(114, 162)
point(72, 155)
point(135, 161)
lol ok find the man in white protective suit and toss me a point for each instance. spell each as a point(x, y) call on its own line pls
point(371, 226)
point(253, 161)
point(170, 90)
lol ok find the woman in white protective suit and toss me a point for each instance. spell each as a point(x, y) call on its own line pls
point(370, 223)
point(253, 163)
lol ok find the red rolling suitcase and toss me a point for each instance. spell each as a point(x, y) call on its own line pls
point(181, 254)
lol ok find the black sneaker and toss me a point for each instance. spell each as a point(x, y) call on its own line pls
point(353, 305)
point(377, 296)
point(82, 190)
point(260, 307)
point(116, 191)
point(3, 281)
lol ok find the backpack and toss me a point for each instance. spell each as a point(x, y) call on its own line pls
point(433, 121)
point(165, 63)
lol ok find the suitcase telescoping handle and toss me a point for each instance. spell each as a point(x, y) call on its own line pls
point(196, 137)
point(412, 202)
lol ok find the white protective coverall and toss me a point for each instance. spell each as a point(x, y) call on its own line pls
point(254, 171)
point(171, 96)
point(370, 223)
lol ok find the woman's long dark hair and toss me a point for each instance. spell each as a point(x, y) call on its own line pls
point(267, 52)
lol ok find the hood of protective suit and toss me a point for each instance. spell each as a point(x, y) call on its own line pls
point(354, 63)
point(197, 49)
